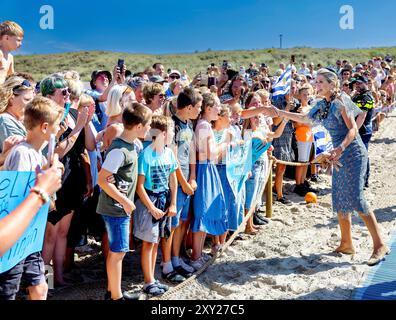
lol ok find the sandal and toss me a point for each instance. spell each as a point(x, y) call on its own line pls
point(173, 277)
point(162, 286)
point(153, 290)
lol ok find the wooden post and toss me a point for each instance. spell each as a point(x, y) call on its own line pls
point(268, 201)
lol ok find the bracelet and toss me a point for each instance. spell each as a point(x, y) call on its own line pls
point(285, 121)
point(43, 195)
point(342, 148)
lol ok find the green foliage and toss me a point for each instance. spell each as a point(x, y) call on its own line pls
point(86, 61)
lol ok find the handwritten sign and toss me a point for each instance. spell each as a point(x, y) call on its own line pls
point(14, 188)
point(238, 164)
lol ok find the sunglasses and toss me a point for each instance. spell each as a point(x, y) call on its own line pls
point(265, 81)
point(24, 83)
point(65, 91)
point(161, 95)
point(174, 77)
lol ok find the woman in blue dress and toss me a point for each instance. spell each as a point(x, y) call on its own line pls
point(337, 113)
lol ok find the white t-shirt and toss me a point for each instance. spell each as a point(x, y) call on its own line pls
point(23, 157)
point(203, 133)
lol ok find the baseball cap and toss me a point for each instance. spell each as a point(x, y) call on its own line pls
point(175, 72)
point(157, 79)
point(135, 82)
point(359, 79)
point(96, 74)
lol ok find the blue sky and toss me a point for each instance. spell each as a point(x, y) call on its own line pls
point(153, 26)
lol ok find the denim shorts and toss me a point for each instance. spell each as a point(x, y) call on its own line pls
point(182, 206)
point(118, 232)
point(304, 151)
point(30, 270)
point(255, 183)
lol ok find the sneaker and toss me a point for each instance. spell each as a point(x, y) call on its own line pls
point(257, 221)
point(162, 286)
point(183, 272)
point(284, 201)
point(186, 266)
point(198, 264)
point(315, 178)
point(206, 256)
point(300, 190)
point(125, 296)
point(261, 218)
point(153, 290)
point(173, 277)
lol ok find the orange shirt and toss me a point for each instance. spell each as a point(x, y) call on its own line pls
point(303, 131)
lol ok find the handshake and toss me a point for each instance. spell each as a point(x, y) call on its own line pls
point(324, 161)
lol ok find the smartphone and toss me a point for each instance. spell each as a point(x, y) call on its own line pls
point(211, 81)
point(51, 149)
point(120, 64)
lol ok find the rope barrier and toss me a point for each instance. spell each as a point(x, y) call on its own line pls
point(172, 291)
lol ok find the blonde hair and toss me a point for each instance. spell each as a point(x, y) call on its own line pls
point(10, 28)
point(85, 100)
point(330, 77)
point(150, 90)
point(173, 84)
point(263, 94)
point(114, 100)
point(75, 88)
point(41, 110)
point(9, 90)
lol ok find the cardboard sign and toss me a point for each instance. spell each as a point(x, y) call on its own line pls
point(14, 188)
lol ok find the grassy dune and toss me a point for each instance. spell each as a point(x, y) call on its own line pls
point(87, 61)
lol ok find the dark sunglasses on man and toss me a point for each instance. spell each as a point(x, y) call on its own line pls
point(174, 77)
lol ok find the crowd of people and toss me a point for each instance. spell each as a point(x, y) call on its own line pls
point(143, 156)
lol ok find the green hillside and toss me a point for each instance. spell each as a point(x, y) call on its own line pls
point(85, 62)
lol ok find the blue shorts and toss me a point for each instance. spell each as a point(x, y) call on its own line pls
point(118, 232)
point(183, 207)
point(30, 269)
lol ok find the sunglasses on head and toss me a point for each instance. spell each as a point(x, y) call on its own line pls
point(25, 83)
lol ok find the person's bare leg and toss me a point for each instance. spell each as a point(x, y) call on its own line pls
point(114, 273)
point(154, 259)
point(146, 261)
point(60, 248)
point(166, 247)
point(345, 223)
point(197, 240)
point(38, 292)
point(249, 228)
point(279, 172)
point(223, 237)
point(370, 221)
point(49, 242)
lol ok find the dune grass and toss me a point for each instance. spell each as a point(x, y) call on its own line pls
point(86, 61)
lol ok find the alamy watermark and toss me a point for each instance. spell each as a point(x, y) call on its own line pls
point(47, 21)
point(348, 18)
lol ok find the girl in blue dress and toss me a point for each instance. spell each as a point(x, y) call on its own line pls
point(210, 214)
point(337, 113)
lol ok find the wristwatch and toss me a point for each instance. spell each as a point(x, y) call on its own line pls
point(43, 195)
point(342, 148)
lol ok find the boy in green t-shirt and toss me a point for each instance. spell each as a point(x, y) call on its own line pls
point(115, 200)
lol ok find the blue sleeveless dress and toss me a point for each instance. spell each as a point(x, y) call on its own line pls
point(348, 182)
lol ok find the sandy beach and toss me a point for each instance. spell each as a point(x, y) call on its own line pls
point(291, 258)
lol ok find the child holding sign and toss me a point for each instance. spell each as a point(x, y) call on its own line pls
point(42, 118)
